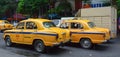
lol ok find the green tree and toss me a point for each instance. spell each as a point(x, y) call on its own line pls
point(7, 7)
point(118, 9)
point(64, 7)
point(32, 7)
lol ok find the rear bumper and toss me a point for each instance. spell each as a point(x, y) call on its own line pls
point(50, 44)
point(62, 43)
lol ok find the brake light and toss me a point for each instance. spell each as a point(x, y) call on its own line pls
point(104, 35)
point(70, 33)
point(109, 32)
point(57, 36)
point(4, 26)
point(9, 26)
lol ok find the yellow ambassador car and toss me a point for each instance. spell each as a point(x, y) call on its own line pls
point(37, 32)
point(5, 25)
point(86, 33)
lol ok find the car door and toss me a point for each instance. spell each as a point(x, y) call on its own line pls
point(76, 30)
point(19, 32)
point(31, 27)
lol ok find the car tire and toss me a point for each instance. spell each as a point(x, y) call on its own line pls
point(86, 43)
point(39, 46)
point(2, 31)
point(8, 41)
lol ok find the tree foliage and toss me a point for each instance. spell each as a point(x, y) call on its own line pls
point(32, 6)
point(7, 6)
point(64, 5)
point(118, 7)
point(64, 8)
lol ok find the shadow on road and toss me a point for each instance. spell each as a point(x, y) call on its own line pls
point(56, 51)
point(74, 45)
point(99, 47)
point(29, 51)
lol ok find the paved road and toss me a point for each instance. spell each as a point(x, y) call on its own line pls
point(111, 49)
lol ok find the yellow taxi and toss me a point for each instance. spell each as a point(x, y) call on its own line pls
point(40, 33)
point(5, 25)
point(85, 32)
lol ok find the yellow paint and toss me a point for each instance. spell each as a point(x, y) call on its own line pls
point(95, 34)
point(47, 35)
point(4, 25)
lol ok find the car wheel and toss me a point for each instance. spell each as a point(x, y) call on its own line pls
point(39, 46)
point(85, 43)
point(8, 41)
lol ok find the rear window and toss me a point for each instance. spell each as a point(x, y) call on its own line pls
point(49, 24)
point(91, 24)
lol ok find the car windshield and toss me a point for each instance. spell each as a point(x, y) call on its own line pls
point(49, 24)
point(56, 22)
point(91, 24)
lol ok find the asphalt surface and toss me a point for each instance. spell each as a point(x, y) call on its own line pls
point(110, 49)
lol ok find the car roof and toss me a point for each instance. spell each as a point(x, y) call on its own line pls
point(2, 20)
point(83, 20)
point(36, 19)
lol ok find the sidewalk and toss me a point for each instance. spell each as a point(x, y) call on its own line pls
point(5, 53)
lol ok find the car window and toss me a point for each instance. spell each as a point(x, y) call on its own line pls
point(64, 25)
point(91, 24)
point(1, 23)
point(76, 26)
point(31, 25)
point(20, 25)
point(48, 24)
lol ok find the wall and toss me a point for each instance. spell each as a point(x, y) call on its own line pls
point(105, 17)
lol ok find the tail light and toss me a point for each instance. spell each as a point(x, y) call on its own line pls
point(104, 35)
point(57, 36)
point(109, 32)
point(4, 26)
point(70, 33)
point(9, 26)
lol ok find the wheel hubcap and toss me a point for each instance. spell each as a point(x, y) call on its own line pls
point(8, 42)
point(86, 44)
point(39, 47)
